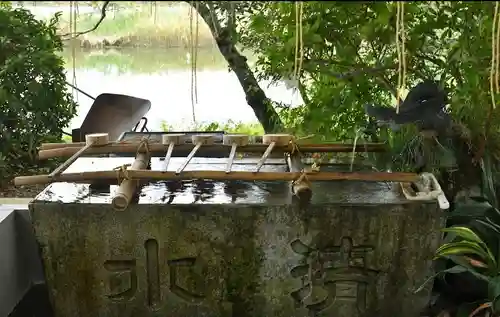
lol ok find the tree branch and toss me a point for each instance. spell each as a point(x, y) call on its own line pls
point(103, 16)
point(359, 70)
point(255, 96)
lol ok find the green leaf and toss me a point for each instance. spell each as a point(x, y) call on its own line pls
point(454, 270)
point(465, 247)
point(463, 261)
point(471, 209)
point(316, 39)
point(487, 178)
point(465, 233)
point(458, 250)
point(490, 225)
point(494, 288)
point(495, 305)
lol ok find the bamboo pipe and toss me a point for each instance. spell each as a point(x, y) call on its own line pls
point(271, 140)
point(171, 140)
point(131, 148)
point(90, 141)
point(88, 177)
point(199, 140)
point(128, 187)
point(234, 140)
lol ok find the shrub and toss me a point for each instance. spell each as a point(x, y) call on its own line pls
point(34, 103)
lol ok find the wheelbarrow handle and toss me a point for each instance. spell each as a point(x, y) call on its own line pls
point(81, 91)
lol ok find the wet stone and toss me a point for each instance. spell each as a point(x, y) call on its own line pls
point(246, 249)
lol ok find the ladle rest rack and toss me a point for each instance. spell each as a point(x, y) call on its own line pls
point(203, 145)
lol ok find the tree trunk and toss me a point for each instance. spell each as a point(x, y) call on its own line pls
point(255, 96)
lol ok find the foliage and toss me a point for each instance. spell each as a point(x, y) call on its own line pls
point(229, 127)
point(472, 244)
point(350, 58)
point(34, 104)
point(474, 249)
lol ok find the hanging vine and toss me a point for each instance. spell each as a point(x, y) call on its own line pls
point(494, 76)
point(299, 51)
point(299, 44)
point(73, 13)
point(400, 47)
point(193, 44)
point(494, 70)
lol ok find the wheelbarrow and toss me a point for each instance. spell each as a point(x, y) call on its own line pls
point(112, 114)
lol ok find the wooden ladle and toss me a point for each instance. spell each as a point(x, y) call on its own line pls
point(199, 140)
point(172, 140)
point(272, 140)
point(234, 140)
point(90, 141)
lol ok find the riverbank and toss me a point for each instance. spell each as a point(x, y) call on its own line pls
point(144, 60)
point(140, 25)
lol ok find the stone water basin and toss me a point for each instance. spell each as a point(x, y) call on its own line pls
point(202, 248)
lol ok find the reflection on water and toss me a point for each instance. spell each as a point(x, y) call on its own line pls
point(164, 76)
point(177, 192)
point(220, 192)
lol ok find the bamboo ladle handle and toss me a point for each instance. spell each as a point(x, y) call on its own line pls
point(90, 141)
point(171, 140)
point(272, 140)
point(234, 140)
point(199, 140)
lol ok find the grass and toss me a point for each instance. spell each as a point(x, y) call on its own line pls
point(140, 24)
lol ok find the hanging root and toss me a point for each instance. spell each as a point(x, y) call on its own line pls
point(193, 44)
point(494, 76)
point(494, 70)
point(73, 11)
point(400, 48)
point(299, 44)
point(195, 56)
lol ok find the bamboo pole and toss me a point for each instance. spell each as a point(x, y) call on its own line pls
point(89, 177)
point(131, 148)
point(128, 187)
point(52, 146)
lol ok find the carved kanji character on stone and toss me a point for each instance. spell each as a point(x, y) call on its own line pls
point(175, 267)
point(122, 280)
point(333, 276)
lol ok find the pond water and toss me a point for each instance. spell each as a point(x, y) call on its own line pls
point(163, 76)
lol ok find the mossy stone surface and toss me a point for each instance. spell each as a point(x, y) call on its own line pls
point(245, 260)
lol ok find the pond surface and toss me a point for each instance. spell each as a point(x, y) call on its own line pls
point(164, 77)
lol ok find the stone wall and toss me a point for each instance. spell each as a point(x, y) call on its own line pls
point(343, 260)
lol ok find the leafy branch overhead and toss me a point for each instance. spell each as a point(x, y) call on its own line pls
point(350, 57)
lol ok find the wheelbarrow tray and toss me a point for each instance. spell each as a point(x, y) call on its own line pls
point(112, 114)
